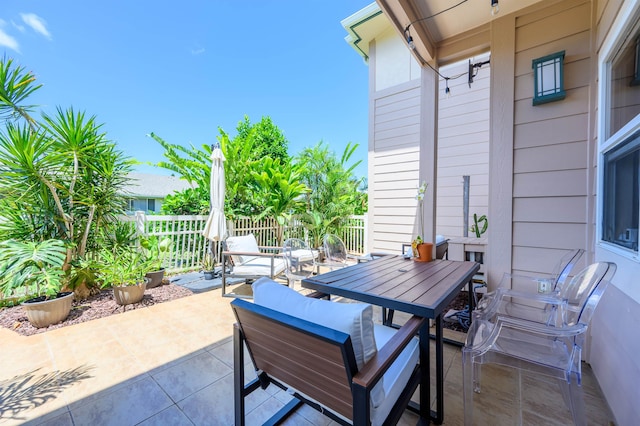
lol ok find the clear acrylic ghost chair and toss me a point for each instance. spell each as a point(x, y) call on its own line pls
point(507, 298)
point(551, 350)
point(335, 252)
point(300, 260)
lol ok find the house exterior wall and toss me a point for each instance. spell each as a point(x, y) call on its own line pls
point(397, 114)
point(615, 343)
point(395, 100)
point(543, 176)
point(554, 179)
point(463, 145)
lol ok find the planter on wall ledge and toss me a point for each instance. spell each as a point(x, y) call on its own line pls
point(43, 312)
point(155, 278)
point(129, 294)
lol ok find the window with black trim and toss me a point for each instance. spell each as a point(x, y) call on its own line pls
point(622, 193)
point(620, 147)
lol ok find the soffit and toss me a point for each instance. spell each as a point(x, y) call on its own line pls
point(430, 30)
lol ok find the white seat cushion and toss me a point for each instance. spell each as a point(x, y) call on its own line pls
point(259, 266)
point(355, 319)
point(304, 254)
point(243, 243)
point(397, 376)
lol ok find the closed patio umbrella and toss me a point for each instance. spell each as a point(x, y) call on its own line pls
point(216, 228)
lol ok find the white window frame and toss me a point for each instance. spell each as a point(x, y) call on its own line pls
point(627, 18)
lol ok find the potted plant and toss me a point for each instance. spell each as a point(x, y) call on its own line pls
point(318, 226)
point(422, 251)
point(36, 267)
point(124, 270)
point(208, 267)
point(154, 251)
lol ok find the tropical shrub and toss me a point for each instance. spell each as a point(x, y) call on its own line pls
point(60, 177)
point(33, 266)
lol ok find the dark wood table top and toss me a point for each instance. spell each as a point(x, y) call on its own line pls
point(393, 282)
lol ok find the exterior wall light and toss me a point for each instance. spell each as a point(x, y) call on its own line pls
point(548, 78)
point(495, 7)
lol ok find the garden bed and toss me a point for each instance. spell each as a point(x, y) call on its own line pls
point(97, 306)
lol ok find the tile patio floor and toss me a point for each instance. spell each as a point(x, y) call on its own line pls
point(171, 364)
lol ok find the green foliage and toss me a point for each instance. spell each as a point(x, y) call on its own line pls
point(60, 178)
point(189, 201)
point(265, 138)
point(191, 164)
point(155, 250)
point(32, 265)
point(261, 180)
point(278, 189)
point(208, 263)
point(333, 194)
point(243, 154)
point(475, 228)
point(121, 267)
point(16, 85)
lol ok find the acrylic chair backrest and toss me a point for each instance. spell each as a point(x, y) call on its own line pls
point(564, 268)
point(578, 291)
point(300, 260)
point(334, 249)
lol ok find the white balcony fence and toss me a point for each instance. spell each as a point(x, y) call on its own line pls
point(189, 247)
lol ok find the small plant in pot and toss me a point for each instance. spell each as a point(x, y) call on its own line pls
point(208, 267)
point(124, 271)
point(155, 251)
point(36, 267)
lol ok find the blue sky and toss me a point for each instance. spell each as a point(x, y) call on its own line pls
point(182, 69)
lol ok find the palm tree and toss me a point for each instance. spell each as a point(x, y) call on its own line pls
point(60, 178)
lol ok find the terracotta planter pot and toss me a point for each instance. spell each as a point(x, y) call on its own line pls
point(127, 295)
point(155, 278)
point(425, 252)
point(43, 313)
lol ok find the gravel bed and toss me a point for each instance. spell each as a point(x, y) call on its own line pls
point(97, 306)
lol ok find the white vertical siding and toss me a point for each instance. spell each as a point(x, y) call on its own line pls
point(394, 166)
point(463, 145)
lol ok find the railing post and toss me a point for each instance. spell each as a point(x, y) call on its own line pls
point(365, 236)
point(141, 223)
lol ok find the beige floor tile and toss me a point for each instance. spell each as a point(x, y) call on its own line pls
point(63, 419)
point(90, 373)
point(31, 395)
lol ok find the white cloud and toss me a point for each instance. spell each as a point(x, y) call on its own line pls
point(197, 51)
point(18, 27)
point(8, 41)
point(36, 23)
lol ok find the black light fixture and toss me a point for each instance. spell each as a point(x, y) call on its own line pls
point(495, 8)
point(472, 67)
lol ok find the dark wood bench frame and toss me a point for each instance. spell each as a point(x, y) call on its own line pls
point(314, 360)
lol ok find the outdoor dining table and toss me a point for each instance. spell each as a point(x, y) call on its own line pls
point(395, 283)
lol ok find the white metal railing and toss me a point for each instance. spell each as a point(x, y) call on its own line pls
point(189, 246)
